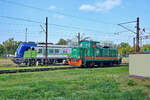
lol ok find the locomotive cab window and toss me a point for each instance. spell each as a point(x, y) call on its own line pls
point(33, 48)
point(40, 51)
point(27, 49)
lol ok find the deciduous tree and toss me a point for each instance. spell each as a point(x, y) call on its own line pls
point(2, 50)
point(62, 42)
point(11, 45)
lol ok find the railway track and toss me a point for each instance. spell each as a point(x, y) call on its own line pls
point(34, 70)
point(46, 69)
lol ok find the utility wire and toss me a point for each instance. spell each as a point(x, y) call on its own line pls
point(127, 28)
point(128, 22)
point(64, 26)
point(16, 24)
point(21, 19)
point(61, 26)
point(30, 35)
point(41, 9)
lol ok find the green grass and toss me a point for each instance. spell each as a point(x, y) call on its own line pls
point(75, 84)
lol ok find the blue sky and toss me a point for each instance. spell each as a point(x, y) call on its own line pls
point(101, 16)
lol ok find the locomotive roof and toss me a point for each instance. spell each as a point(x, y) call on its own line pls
point(89, 41)
point(55, 46)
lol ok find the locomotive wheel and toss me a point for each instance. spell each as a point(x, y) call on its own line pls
point(111, 64)
point(26, 63)
point(117, 64)
point(90, 64)
point(83, 66)
point(87, 64)
point(101, 64)
point(37, 63)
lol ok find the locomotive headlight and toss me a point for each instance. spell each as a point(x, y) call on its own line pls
point(15, 54)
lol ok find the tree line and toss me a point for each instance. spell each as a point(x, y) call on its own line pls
point(125, 49)
point(9, 47)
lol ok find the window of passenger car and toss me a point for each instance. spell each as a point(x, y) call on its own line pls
point(51, 51)
point(65, 51)
point(56, 51)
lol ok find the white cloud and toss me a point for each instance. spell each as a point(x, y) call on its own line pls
point(101, 6)
point(58, 16)
point(51, 7)
point(87, 7)
point(108, 4)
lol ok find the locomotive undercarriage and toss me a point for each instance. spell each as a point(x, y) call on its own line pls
point(39, 61)
point(100, 63)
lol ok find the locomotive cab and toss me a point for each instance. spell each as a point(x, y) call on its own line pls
point(76, 57)
point(22, 48)
point(80, 53)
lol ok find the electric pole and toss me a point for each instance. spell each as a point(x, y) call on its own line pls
point(78, 38)
point(137, 32)
point(137, 35)
point(46, 59)
point(134, 43)
point(26, 35)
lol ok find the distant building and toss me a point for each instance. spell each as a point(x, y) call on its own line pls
point(73, 42)
point(106, 43)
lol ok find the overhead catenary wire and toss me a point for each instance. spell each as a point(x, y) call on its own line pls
point(127, 28)
point(41, 9)
point(21, 19)
point(30, 35)
point(60, 27)
point(128, 22)
point(37, 33)
point(18, 24)
point(64, 26)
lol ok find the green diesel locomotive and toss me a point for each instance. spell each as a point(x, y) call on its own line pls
point(90, 54)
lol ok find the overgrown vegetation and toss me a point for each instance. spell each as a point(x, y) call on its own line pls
point(77, 84)
point(9, 47)
point(7, 62)
point(62, 42)
point(125, 49)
